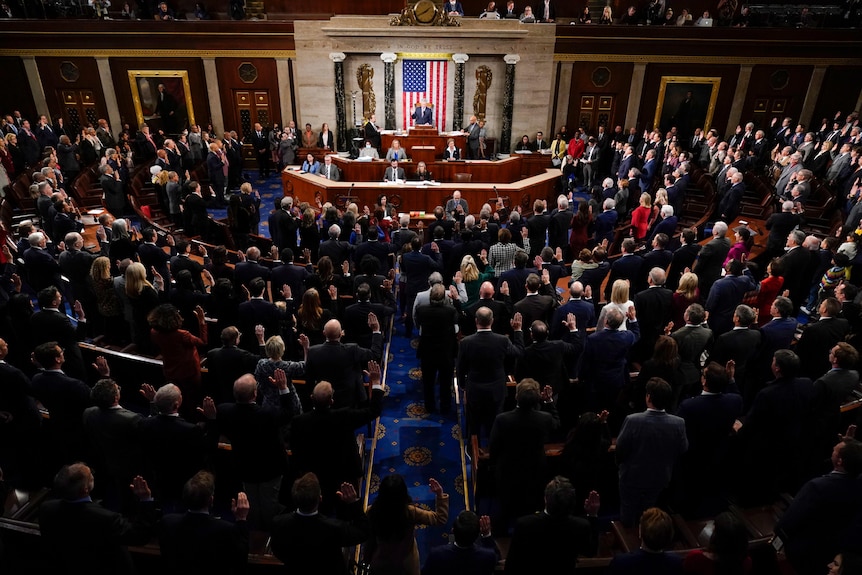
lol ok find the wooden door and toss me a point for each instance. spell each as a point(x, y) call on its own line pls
point(79, 109)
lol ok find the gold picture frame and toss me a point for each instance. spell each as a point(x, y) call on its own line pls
point(144, 85)
point(699, 110)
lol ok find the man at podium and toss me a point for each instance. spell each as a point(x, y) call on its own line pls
point(422, 115)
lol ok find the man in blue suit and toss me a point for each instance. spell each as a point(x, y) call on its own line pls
point(422, 115)
point(470, 554)
point(606, 222)
point(648, 446)
point(647, 172)
point(628, 267)
point(608, 350)
point(667, 224)
point(726, 294)
point(584, 311)
point(626, 163)
point(775, 335)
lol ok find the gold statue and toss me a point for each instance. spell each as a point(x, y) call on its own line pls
point(483, 82)
point(364, 77)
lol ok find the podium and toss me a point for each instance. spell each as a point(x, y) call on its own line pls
point(425, 154)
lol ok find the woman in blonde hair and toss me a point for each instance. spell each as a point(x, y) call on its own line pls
point(619, 300)
point(473, 279)
point(143, 298)
point(107, 301)
point(641, 217)
point(686, 294)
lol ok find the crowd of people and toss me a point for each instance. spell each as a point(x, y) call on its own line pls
point(728, 401)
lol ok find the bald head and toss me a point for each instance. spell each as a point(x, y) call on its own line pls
point(332, 330)
point(486, 290)
point(322, 395)
point(576, 290)
point(484, 317)
point(245, 389)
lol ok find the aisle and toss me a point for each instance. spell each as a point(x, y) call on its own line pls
point(415, 445)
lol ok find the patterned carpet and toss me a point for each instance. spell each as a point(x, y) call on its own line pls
point(270, 191)
point(417, 446)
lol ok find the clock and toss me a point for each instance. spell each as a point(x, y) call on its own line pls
point(425, 12)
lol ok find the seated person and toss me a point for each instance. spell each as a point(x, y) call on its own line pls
point(369, 151)
point(451, 152)
point(328, 170)
point(527, 17)
point(394, 173)
point(457, 207)
point(490, 12)
point(454, 8)
point(422, 174)
point(310, 165)
point(396, 152)
point(704, 20)
point(524, 145)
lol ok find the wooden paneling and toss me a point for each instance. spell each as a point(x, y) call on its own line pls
point(86, 90)
point(594, 83)
point(194, 66)
point(235, 81)
point(17, 95)
point(775, 91)
point(652, 82)
point(840, 92)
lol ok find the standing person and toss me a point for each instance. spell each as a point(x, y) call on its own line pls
point(392, 548)
point(472, 131)
point(648, 446)
point(259, 140)
point(437, 346)
point(468, 553)
point(711, 258)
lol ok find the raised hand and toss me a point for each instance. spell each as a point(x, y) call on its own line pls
point(730, 369)
point(547, 394)
point(668, 329)
point(101, 366)
point(571, 322)
point(148, 391)
point(79, 311)
point(592, 503)
point(208, 408)
point(304, 342)
point(279, 379)
point(140, 488)
point(485, 525)
point(517, 321)
point(259, 333)
point(373, 372)
point(373, 322)
point(199, 313)
point(347, 494)
point(239, 506)
point(436, 488)
point(285, 292)
point(333, 292)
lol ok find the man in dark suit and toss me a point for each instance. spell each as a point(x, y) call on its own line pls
point(795, 263)
point(501, 308)
point(289, 274)
point(517, 449)
point(437, 345)
point(654, 304)
point(372, 134)
point(667, 224)
point(256, 446)
point(245, 271)
point(227, 363)
point(819, 337)
point(709, 419)
point(559, 224)
point(372, 246)
point(41, 268)
point(729, 206)
point(198, 542)
point(75, 263)
point(627, 267)
point(28, 143)
point(323, 441)
point(648, 172)
point(283, 225)
point(711, 258)
point(394, 172)
point(183, 261)
point(481, 369)
point(657, 536)
point(77, 531)
point(740, 344)
point(418, 267)
point(626, 163)
point(65, 398)
point(658, 257)
point(551, 541)
point(538, 303)
point(355, 317)
point(814, 524)
point(648, 446)
point(173, 448)
point(340, 363)
point(833, 389)
point(217, 169)
point(726, 294)
point(338, 251)
point(152, 256)
point(779, 225)
point(583, 310)
point(233, 151)
point(422, 115)
point(608, 349)
point(311, 542)
point(469, 554)
point(258, 311)
point(195, 215)
point(781, 409)
point(259, 140)
point(537, 226)
point(45, 134)
point(51, 324)
point(549, 361)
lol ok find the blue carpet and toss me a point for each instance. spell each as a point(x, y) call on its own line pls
point(416, 445)
point(270, 191)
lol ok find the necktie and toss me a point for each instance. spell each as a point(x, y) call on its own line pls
point(327, 172)
point(258, 134)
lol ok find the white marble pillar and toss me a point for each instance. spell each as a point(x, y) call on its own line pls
point(635, 92)
point(213, 96)
point(282, 70)
point(35, 81)
point(810, 102)
point(113, 109)
point(564, 81)
point(740, 90)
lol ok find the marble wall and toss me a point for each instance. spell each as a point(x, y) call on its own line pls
point(362, 39)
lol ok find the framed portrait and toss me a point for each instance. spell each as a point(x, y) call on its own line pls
point(687, 102)
point(162, 99)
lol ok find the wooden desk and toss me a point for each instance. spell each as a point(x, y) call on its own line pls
point(304, 187)
point(418, 138)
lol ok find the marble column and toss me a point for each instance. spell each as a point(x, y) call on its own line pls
point(458, 112)
point(635, 93)
point(35, 81)
point(739, 92)
point(340, 114)
point(216, 114)
point(282, 70)
point(564, 92)
point(508, 103)
point(114, 119)
point(389, 89)
point(814, 86)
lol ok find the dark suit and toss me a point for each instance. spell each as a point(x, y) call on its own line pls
point(648, 446)
point(313, 543)
point(291, 275)
point(355, 320)
point(627, 267)
point(378, 249)
point(550, 362)
point(665, 226)
point(560, 539)
point(831, 390)
point(536, 307)
point(224, 366)
point(725, 295)
point(372, 134)
point(341, 364)
point(323, 441)
point(605, 374)
point(65, 398)
point(709, 262)
point(244, 272)
point(626, 164)
point(282, 229)
point(51, 325)
point(258, 312)
point(260, 143)
point(114, 445)
point(585, 316)
point(816, 341)
point(656, 258)
point(640, 562)
point(779, 225)
point(91, 537)
point(115, 194)
point(482, 373)
point(174, 450)
point(196, 217)
point(198, 543)
point(42, 269)
point(437, 346)
point(740, 345)
point(183, 262)
point(215, 171)
point(558, 230)
point(152, 256)
point(654, 306)
point(795, 263)
point(479, 559)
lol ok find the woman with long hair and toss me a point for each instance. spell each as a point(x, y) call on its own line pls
point(312, 316)
point(107, 301)
point(580, 226)
point(473, 279)
point(727, 550)
point(324, 280)
point(238, 221)
point(686, 294)
point(123, 244)
point(619, 300)
point(741, 248)
point(178, 347)
point(607, 16)
point(641, 217)
point(309, 234)
point(393, 517)
point(142, 297)
point(664, 363)
point(769, 289)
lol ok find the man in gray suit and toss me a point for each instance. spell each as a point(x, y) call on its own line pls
point(393, 172)
point(329, 170)
point(648, 446)
point(839, 161)
point(472, 131)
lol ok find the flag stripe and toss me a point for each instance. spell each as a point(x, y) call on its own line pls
point(428, 81)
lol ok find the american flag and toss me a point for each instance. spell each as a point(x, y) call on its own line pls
point(425, 81)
